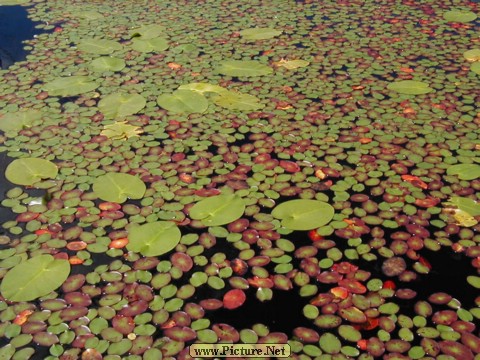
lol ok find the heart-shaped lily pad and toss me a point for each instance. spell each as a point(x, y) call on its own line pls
point(303, 214)
point(203, 88)
point(149, 45)
point(243, 68)
point(28, 171)
point(259, 33)
point(237, 101)
point(218, 210)
point(459, 16)
point(119, 105)
point(153, 239)
point(410, 87)
point(465, 171)
point(107, 63)
point(465, 204)
point(34, 278)
point(70, 86)
point(99, 46)
point(183, 101)
point(149, 31)
point(472, 55)
point(19, 120)
point(475, 67)
point(118, 187)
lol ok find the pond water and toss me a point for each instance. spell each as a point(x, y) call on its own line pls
point(208, 172)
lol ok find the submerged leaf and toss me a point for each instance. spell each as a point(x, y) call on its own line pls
point(259, 33)
point(27, 171)
point(120, 130)
point(218, 210)
point(153, 239)
point(99, 46)
point(410, 87)
point(19, 120)
point(118, 187)
point(302, 214)
point(70, 86)
point(183, 101)
point(107, 63)
point(459, 16)
point(465, 171)
point(34, 278)
point(237, 101)
point(243, 68)
point(119, 105)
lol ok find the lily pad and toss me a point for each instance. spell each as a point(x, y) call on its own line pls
point(259, 33)
point(107, 63)
point(475, 67)
point(150, 31)
point(34, 278)
point(303, 214)
point(472, 55)
point(410, 87)
point(99, 46)
point(70, 86)
point(292, 64)
point(459, 16)
point(119, 105)
point(466, 204)
point(474, 281)
point(183, 101)
point(89, 15)
point(203, 88)
point(28, 171)
point(118, 187)
point(19, 120)
point(149, 45)
point(234, 100)
point(120, 130)
point(153, 239)
point(465, 171)
point(218, 210)
point(243, 68)
point(13, 2)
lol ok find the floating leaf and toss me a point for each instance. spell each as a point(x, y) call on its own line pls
point(149, 45)
point(34, 278)
point(107, 63)
point(218, 210)
point(183, 101)
point(146, 32)
point(459, 16)
point(120, 130)
point(19, 120)
point(410, 87)
point(472, 55)
point(153, 239)
point(243, 68)
point(475, 67)
point(99, 46)
point(464, 219)
point(28, 171)
point(203, 88)
point(118, 187)
point(237, 101)
point(89, 15)
point(466, 204)
point(70, 86)
point(465, 171)
point(474, 281)
point(292, 64)
point(259, 33)
point(121, 104)
point(13, 2)
point(302, 214)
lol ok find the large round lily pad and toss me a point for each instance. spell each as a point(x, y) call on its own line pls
point(218, 210)
point(465, 171)
point(16, 121)
point(410, 87)
point(259, 33)
point(118, 187)
point(34, 278)
point(183, 101)
point(243, 68)
point(70, 86)
point(107, 63)
point(120, 105)
point(99, 46)
point(154, 239)
point(28, 171)
point(303, 214)
point(459, 16)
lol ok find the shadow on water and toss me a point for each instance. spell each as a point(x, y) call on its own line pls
point(15, 27)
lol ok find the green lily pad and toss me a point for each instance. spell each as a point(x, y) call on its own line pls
point(107, 63)
point(120, 130)
point(462, 16)
point(150, 31)
point(183, 101)
point(303, 214)
point(153, 239)
point(27, 171)
point(410, 87)
point(234, 100)
point(203, 88)
point(149, 45)
point(118, 187)
point(330, 343)
point(243, 68)
point(19, 120)
point(70, 86)
point(218, 210)
point(14, 2)
point(465, 171)
point(34, 278)
point(472, 55)
point(99, 46)
point(474, 281)
point(119, 105)
point(89, 15)
point(293, 64)
point(259, 33)
point(475, 67)
point(466, 204)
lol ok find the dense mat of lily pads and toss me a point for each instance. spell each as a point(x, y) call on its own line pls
point(173, 160)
